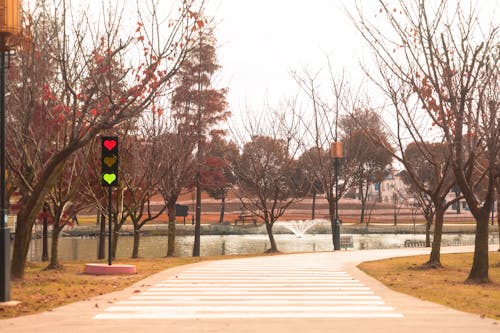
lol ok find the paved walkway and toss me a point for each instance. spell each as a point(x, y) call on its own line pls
point(317, 292)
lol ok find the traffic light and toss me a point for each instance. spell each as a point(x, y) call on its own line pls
point(109, 161)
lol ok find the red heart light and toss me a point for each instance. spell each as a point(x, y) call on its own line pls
point(109, 144)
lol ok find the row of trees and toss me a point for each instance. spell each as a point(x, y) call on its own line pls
point(162, 105)
point(438, 66)
point(74, 79)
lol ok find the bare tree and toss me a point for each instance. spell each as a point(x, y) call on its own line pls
point(442, 62)
point(141, 174)
point(368, 159)
point(177, 171)
point(65, 202)
point(265, 171)
point(321, 129)
point(430, 178)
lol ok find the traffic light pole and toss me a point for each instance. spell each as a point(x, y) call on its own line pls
point(109, 179)
point(110, 220)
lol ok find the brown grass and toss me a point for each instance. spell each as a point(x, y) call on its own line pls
point(444, 286)
point(42, 290)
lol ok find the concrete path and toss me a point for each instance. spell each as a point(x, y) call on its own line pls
point(317, 292)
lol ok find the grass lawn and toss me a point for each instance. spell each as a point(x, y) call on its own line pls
point(444, 286)
point(42, 290)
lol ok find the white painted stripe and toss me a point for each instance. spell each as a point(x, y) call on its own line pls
point(263, 308)
point(244, 315)
point(256, 287)
point(236, 276)
point(248, 293)
point(260, 297)
point(265, 272)
point(261, 278)
point(249, 301)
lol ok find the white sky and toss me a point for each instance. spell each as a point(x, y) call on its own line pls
point(261, 41)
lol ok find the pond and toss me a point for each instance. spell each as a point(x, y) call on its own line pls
point(73, 248)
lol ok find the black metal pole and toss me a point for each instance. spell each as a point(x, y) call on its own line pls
point(336, 230)
point(395, 201)
point(4, 227)
point(101, 252)
point(110, 228)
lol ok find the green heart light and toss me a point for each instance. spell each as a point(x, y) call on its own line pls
point(109, 177)
point(109, 161)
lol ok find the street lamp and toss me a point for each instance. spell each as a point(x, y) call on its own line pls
point(336, 154)
point(10, 25)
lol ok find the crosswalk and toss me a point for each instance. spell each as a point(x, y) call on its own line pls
point(238, 289)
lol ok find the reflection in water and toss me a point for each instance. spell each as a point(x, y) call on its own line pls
point(156, 246)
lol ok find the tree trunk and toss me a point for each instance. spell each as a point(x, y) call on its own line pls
point(222, 208)
point(272, 241)
point(363, 202)
point(24, 228)
point(32, 205)
point(479, 270)
point(313, 209)
point(435, 258)
point(45, 239)
point(54, 246)
point(498, 211)
point(135, 248)
point(331, 212)
point(171, 229)
point(197, 225)
point(101, 254)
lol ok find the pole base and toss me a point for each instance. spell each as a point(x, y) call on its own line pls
point(9, 304)
point(103, 269)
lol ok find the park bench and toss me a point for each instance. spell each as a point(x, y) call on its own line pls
point(346, 242)
point(414, 243)
point(245, 216)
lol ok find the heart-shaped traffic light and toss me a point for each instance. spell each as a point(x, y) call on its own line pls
point(109, 178)
point(109, 161)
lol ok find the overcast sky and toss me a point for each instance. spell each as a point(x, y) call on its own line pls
point(261, 41)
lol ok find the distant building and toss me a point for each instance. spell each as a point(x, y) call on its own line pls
point(389, 189)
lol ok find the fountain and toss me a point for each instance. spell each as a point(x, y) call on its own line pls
point(299, 227)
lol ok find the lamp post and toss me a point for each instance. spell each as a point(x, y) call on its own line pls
point(395, 206)
point(336, 153)
point(456, 189)
point(9, 26)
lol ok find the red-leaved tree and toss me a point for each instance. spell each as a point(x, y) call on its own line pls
point(93, 76)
